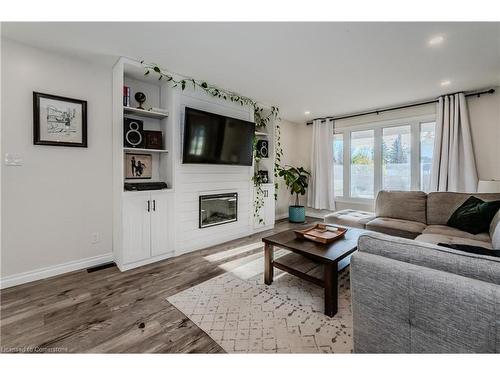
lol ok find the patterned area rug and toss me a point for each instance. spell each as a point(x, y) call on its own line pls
point(243, 315)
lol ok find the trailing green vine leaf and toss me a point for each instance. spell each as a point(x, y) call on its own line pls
point(259, 197)
point(212, 90)
point(262, 119)
point(278, 153)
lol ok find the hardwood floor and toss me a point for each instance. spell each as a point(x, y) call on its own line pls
point(118, 312)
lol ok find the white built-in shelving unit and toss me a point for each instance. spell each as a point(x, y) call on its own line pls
point(144, 113)
point(267, 211)
point(149, 226)
point(143, 150)
point(142, 220)
point(261, 134)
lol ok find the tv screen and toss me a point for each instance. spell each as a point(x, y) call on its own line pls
point(216, 139)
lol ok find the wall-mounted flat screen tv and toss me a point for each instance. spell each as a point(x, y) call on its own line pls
point(214, 139)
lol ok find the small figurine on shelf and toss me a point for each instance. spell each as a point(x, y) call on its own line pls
point(140, 97)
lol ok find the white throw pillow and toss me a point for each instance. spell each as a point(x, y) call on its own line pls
point(495, 231)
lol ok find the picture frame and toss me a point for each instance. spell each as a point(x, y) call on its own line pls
point(153, 139)
point(264, 176)
point(59, 121)
point(138, 166)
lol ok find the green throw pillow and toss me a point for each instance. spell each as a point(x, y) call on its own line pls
point(474, 215)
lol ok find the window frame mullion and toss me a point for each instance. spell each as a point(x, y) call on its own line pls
point(415, 155)
point(347, 164)
point(377, 161)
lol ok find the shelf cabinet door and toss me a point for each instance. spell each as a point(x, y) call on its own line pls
point(269, 206)
point(136, 228)
point(267, 210)
point(161, 224)
point(262, 210)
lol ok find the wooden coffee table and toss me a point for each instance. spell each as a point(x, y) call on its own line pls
point(317, 263)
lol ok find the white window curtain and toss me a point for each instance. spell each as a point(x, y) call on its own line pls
point(453, 165)
point(320, 193)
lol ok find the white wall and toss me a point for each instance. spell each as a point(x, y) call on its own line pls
point(296, 143)
point(60, 196)
point(484, 115)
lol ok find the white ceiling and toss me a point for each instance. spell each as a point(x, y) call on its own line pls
point(325, 68)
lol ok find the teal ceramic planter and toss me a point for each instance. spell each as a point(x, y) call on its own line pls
point(296, 214)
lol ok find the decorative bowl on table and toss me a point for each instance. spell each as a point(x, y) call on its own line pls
point(321, 233)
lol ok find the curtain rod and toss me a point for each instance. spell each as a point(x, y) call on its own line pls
point(377, 111)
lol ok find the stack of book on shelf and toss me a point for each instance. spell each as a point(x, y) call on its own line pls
point(126, 96)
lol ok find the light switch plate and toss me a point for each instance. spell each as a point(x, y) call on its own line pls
point(13, 160)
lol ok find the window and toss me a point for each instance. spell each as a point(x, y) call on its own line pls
point(396, 154)
point(362, 166)
point(427, 130)
point(391, 155)
point(338, 165)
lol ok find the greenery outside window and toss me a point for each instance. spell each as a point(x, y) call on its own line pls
point(391, 155)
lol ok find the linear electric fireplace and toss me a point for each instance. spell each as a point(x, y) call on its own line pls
point(218, 209)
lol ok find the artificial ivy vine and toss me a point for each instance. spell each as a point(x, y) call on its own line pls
point(262, 119)
point(257, 178)
point(278, 155)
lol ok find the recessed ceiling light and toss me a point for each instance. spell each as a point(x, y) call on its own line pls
point(307, 113)
point(436, 40)
point(445, 83)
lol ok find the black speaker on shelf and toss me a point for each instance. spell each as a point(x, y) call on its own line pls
point(263, 148)
point(133, 133)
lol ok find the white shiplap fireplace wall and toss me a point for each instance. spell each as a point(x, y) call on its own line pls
point(193, 180)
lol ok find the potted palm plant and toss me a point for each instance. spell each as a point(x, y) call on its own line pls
point(296, 179)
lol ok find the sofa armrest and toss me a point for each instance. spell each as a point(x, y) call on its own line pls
point(404, 308)
point(479, 267)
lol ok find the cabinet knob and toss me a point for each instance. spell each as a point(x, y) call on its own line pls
point(149, 205)
point(154, 204)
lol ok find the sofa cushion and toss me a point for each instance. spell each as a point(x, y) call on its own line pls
point(438, 238)
point(396, 227)
point(454, 232)
point(404, 205)
point(350, 218)
point(495, 231)
point(440, 205)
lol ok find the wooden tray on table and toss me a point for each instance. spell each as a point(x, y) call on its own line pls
point(321, 233)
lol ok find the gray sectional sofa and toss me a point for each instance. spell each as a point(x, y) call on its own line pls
point(410, 295)
point(420, 216)
point(415, 297)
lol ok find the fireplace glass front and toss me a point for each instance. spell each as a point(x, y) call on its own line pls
point(218, 209)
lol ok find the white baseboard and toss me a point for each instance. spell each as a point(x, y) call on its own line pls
point(263, 229)
point(129, 266)
point(281, 216)
point(43, 273)
point(184, 250)
point(309, 213)
point(316, 215)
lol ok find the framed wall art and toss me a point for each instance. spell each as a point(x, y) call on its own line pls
point(59, 121)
